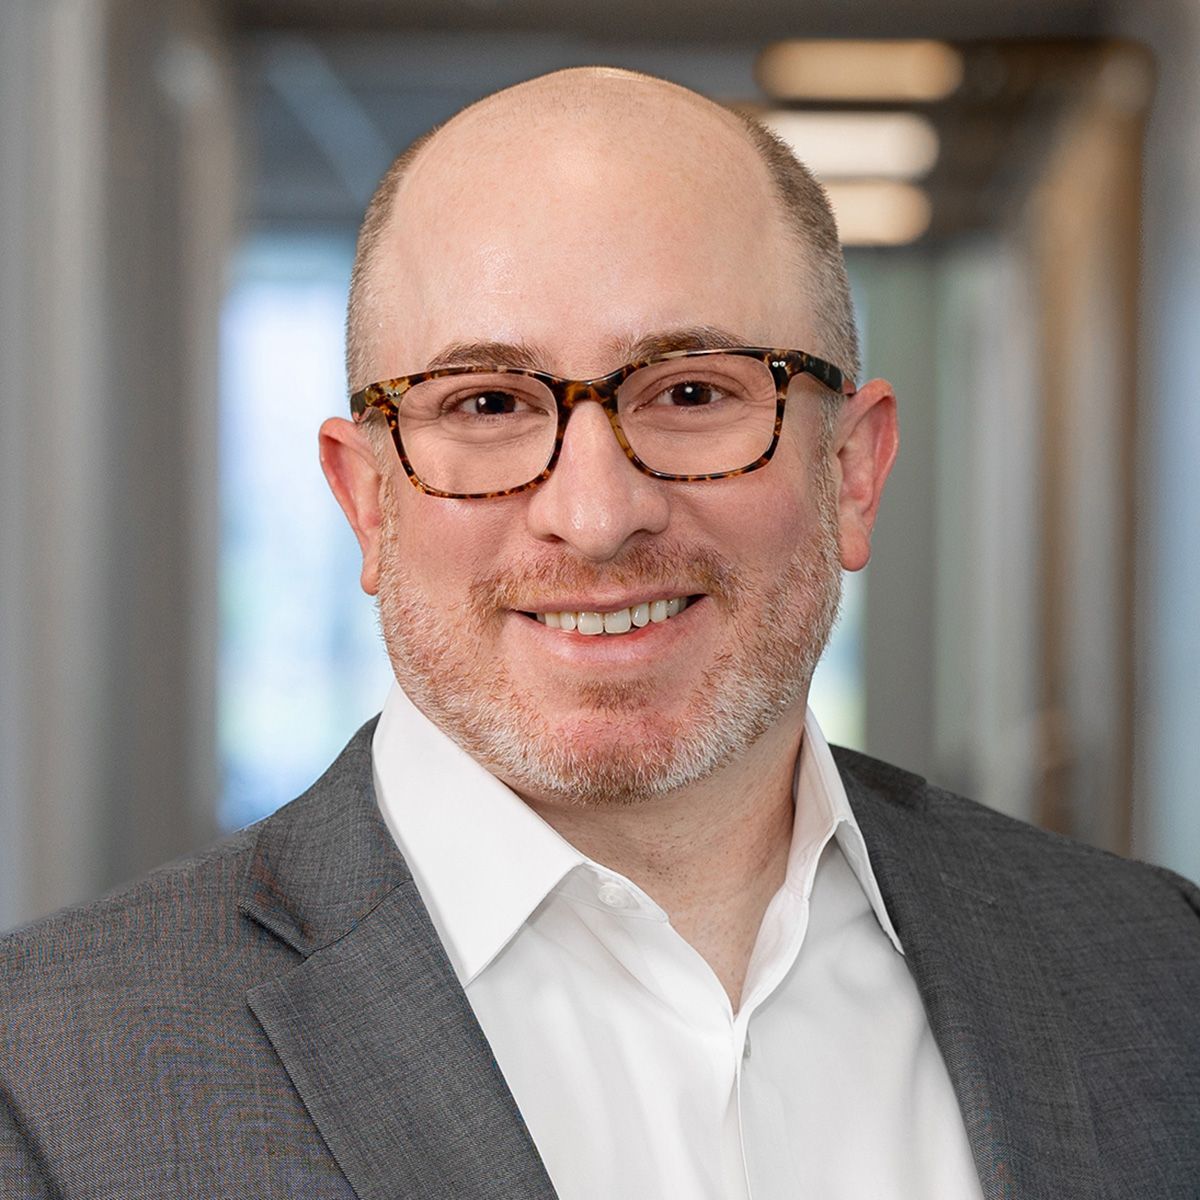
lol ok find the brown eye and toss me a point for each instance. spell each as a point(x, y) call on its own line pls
point(691, 394)
point(489, 404)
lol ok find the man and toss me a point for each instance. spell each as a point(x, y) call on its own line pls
point(593, 911)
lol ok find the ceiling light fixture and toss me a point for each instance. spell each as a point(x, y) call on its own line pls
point(859, 70)
point(878, 145)
point(879, 212)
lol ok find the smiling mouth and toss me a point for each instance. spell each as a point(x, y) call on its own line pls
point(622, 620)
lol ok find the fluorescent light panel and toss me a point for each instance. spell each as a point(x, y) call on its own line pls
point(859, 70)
point(859, 145)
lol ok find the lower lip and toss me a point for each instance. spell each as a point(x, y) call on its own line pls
point(636, 646)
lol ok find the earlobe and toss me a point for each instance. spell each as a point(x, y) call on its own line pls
point(352, 472)
point(866, 443)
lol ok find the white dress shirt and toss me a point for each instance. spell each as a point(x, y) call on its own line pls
point(636, 1078)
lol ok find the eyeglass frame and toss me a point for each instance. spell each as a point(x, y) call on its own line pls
point(784, 366)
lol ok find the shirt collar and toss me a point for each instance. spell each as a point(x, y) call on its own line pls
point(483, 860)
point(823, 811)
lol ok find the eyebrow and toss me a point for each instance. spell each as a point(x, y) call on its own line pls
point(489, 354)
point(532, 357)
point(686, 337)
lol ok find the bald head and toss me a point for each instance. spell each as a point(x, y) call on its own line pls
point(557, 186)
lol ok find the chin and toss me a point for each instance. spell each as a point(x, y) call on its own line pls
point(602, 772)
point(618, 754)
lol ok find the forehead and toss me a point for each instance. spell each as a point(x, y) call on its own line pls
point(583, 223)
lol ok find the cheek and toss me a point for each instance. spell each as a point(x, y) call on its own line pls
point(762, 518)
point(445, 545)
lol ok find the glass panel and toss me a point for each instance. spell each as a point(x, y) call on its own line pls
point(301, 665)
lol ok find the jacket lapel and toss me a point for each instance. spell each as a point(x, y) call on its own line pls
point(1001, 1027)
point(372, 1025)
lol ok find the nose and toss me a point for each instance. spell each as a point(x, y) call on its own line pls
point(596, 500)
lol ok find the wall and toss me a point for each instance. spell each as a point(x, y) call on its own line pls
point(116, 177)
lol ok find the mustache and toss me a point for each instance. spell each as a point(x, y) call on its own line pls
point(640, 568)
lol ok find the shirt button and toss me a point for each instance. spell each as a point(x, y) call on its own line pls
point(614, 895)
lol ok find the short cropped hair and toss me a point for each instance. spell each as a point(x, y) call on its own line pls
point(805, 205)
point(807, 209)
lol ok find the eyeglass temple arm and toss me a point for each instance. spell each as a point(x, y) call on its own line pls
point(833, 377)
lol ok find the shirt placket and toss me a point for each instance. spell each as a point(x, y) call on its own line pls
point(687, 991)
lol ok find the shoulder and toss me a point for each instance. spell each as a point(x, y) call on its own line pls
point(123, 1021)
point(170, 918)
point(111, 1005)
point(1048, 869)
point(189, 914)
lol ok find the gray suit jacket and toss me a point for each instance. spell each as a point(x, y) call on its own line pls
point(276, 1018)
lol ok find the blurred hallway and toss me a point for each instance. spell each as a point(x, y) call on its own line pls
point(1029, 630)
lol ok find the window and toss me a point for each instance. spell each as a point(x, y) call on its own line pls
point(301, 662)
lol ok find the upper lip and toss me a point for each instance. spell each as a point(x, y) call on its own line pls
point(612, 602)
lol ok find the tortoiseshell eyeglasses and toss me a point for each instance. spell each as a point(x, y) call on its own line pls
point(474, 433)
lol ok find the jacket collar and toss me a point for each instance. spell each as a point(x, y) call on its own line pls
point(324, 862)
point(371, 1024)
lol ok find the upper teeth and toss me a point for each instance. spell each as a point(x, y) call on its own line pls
point(621, 621)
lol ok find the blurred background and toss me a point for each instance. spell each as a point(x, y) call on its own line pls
point(183, 645)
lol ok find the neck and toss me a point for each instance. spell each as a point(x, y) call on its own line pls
point(711, 855)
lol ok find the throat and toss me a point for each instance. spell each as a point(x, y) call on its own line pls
point(712, 860)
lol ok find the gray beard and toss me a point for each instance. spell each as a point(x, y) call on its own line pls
point(741, 696)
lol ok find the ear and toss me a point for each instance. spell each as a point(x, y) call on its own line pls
point(351, 469)
point(865, 445)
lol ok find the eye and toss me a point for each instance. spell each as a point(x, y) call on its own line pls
point(691, 393)
point(492, 403)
